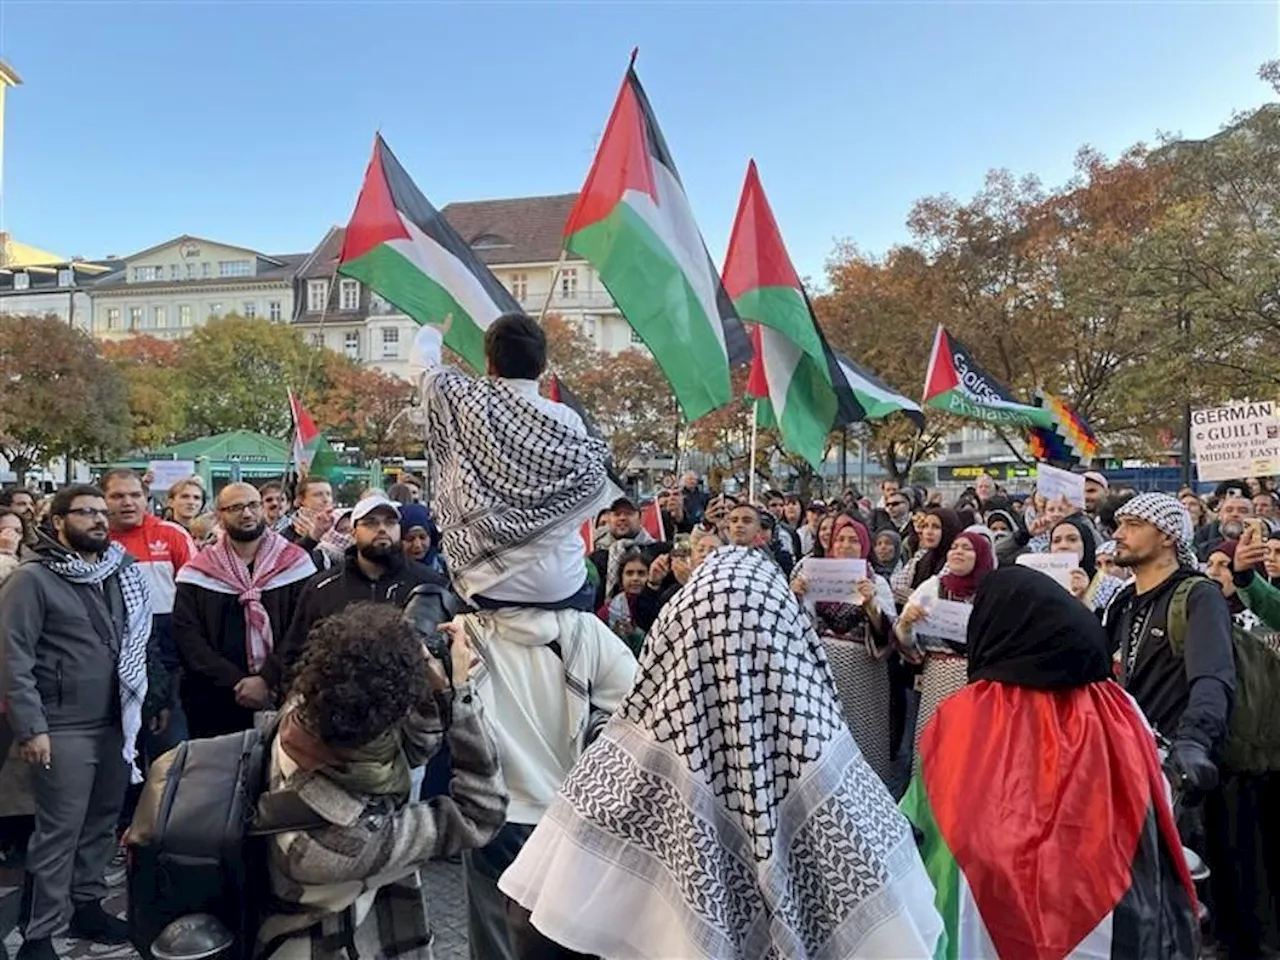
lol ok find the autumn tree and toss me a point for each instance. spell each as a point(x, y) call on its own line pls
point(631, 402)
point(57, 395)
point(237, 372)
point(366, 408)
point(154, 385)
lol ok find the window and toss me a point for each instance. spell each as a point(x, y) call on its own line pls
point(175, 271)
point(274, 311)
point(184, 314)
point(317, 339)
point(215, 309)
point(569, 283)
point(147, 274)
point(636, 338)
point(66, 278)
point(390, 343)
point(520, 286)
point(206, 269)
point(191, 271)
point(235, 268)
point(113, 318)
point(22, 281)
point(317, 293)
point(159, 317)
point(135, 318)
point(351, 345)
point(349, 294)
point(955, 447)
point(249, 309)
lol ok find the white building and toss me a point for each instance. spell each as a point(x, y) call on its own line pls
point(168, 289)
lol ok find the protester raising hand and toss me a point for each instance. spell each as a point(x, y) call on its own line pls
point(658, 570)
point(1251, 551)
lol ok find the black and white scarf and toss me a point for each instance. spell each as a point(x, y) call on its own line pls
point(507, 473)
point(1168, 516)
point(725, 811)
point(131, 667)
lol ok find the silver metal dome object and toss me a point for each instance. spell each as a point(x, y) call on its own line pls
point(197, 936)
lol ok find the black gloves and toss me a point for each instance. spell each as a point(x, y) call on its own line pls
point(1190, 768)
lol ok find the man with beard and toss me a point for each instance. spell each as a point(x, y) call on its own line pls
point(895, 516)
point(74, 622)
point(1234, 510)
point(233, 599)
point(374, 569)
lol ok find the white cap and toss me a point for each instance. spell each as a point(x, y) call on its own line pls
point(372, 503)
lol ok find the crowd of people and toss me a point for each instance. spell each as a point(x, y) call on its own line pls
point(656, 743)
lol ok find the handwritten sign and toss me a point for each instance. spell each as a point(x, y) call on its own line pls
point(1055, 484)
point(833, 581)
point(1056, 565)
point(947, 619)
point(165, 473)
point(1238, 440)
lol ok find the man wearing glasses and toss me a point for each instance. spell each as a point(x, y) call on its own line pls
point(75, 623)
point(895, 516)
point(234, 602)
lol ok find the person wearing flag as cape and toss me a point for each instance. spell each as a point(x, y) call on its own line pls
point(516, 475)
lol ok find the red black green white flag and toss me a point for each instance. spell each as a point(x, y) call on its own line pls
point(312, 454)
point(399, 245)
point(1044, 824)
point(955, 384)
point(633, 223)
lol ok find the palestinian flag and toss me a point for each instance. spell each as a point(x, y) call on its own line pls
point(956, 384)
point(398, 245)
point(633, 223)
point(311, 451)
point(806, 387)
point(1069, 440)
point(1046, 829)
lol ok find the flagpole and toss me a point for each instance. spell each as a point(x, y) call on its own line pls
point(751, 467)
point(551, 291)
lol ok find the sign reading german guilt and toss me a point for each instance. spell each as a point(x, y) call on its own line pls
point(1238, 440)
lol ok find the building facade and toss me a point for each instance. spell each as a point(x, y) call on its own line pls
point(168, 289)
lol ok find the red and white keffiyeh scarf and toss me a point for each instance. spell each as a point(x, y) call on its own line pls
point(277, 564)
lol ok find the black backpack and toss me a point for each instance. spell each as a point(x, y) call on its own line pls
point(199, 835)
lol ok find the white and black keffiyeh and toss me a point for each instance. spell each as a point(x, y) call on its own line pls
point(725, 811)
point(1168, 516)
point(131, 667)
point(507, 473)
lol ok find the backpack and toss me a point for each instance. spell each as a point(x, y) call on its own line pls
point(1253, 735)
point(198, 842)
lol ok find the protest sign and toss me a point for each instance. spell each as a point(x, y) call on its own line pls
point(165, 473)
point(833, 581)
point(1053, 484)
point(1235, 441)
point(947, 619)
point(1056, 565)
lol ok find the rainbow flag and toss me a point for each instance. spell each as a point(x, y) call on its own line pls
point(1068, 441)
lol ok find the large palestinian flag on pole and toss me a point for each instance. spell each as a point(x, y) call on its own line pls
point(956, 384)
point(633, 223)
point(807, 388)
point(1046, 830)
point(399, 245)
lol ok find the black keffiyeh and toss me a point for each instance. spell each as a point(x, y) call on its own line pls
point(725, 811)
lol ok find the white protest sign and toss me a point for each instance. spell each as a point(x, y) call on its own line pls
point(165, 473)
point(947, 619)
point(1056, 565)
point(1238, 440)
point(833, 581)
point(1053, 484)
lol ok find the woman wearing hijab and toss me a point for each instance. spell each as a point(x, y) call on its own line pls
point(725, 812)
point(945, 671)
point(1039, 800)
point(886, 553)
point(858, 638)
point(933, 530)
point(1089, 585)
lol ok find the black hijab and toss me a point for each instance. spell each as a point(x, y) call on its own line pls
point(933, 561)
point(1088, 562)
point(1027, 631)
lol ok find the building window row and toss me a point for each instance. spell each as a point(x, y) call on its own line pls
point(235, 268)
point(159, 315)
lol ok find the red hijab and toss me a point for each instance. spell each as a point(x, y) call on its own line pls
point(962, 588)
point(864, 538)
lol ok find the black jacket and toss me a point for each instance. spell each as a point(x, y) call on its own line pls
point(332, 591)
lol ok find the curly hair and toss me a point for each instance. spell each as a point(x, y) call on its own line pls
point(362, 671)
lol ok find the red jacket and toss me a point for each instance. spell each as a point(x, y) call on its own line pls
point(162, 548)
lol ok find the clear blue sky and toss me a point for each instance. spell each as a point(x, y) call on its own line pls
point(251, 122)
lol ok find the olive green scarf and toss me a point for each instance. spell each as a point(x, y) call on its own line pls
point(378, 768)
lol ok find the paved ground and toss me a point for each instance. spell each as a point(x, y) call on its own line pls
point(448, 905)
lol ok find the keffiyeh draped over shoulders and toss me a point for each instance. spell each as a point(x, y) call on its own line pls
point(725, 811)
point(508, 474)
